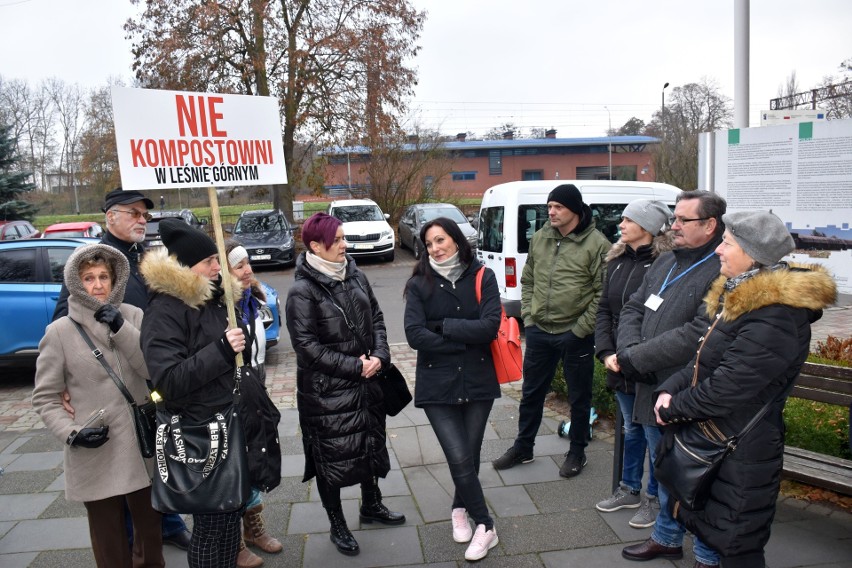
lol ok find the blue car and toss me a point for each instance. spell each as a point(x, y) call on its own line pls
point(31, 274)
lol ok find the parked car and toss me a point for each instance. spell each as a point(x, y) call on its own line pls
point(365, 227)
point(152, 229)
point(31, 273)
point(267, 235)
point(421, 213)
point(18, 229)
point(74, 229)
point(271, 314)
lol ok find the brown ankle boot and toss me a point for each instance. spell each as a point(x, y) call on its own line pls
point(246, 558)
point(254, 532)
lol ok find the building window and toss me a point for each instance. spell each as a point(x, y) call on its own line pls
point(464, 176)
point(495, 163)
point(532, 175)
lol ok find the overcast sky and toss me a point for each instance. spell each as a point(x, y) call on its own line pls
point(538, 63)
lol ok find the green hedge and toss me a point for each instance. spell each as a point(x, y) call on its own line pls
point(603, 399)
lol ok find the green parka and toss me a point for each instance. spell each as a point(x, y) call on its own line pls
point(563, 278)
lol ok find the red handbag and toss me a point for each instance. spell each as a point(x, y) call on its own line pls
point(506, 347)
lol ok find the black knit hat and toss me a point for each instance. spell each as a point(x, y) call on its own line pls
point(187, 243)
point(568, 195)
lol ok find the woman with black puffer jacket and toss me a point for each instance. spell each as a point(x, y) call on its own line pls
point(644, 237)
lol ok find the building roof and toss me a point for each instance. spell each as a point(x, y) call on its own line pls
point(458, 146)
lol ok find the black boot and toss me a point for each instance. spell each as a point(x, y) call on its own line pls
point(372, 508)
point(340, 534)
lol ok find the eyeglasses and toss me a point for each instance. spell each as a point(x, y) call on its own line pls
point(682, 221)
point(135, 213)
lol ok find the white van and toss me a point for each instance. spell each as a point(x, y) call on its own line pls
point(512, 212)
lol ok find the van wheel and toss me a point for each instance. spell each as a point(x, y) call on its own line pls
point(418, 249)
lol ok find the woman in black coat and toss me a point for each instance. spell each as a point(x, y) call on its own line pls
point(762, 311)
point(643, 227)
point(338, 332)
point(456, 381)
point(191, 358)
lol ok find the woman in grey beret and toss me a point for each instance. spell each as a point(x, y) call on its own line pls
point(762, 310)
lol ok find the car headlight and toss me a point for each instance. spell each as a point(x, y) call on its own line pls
point(386, 234)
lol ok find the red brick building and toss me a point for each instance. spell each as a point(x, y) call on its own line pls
point(477, 165)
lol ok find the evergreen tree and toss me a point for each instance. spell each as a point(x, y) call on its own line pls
point(13, 182)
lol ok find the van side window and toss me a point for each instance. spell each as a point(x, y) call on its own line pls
point(491, 229)
point(607, 217)
point(531, 218)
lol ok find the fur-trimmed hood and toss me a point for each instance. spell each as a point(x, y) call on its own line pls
point(660, 244)
point(120, 269)
point(807, 286)
point(165, 275)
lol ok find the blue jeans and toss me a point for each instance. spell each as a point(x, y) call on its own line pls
point(460, 429)
point(543, 352)
point(667, 531)
point(634, 448)
point(172, 524)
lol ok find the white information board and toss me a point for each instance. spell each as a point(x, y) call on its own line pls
point(177, 139)
point(802, 173)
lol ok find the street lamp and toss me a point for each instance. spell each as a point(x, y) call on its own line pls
point(609, 140)
point(664, 103)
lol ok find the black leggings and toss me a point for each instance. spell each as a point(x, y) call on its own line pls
point(330, 496)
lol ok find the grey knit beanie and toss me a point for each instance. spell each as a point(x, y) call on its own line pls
point(653, 216)
point(761, 234)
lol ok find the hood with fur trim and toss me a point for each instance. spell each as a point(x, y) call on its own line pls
point(120, 269)
point(807, 286)
point(660, 244)
point(165, 275)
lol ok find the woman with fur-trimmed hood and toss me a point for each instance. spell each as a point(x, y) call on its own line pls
point(104, 467)
point(762, 311)
point(191, 356)
point(644, 237)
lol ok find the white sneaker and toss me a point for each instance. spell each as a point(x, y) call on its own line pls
point(482, 542)
point(461, 527)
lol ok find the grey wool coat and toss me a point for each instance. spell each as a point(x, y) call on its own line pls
point(66, 362)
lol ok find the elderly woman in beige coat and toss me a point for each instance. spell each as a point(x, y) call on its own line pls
point(104, 468)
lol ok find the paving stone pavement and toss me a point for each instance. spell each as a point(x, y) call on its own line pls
point(541, 519)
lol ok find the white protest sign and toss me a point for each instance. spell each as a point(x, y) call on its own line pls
point(177, 139)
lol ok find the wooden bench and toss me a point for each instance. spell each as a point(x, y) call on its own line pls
point(830, 385)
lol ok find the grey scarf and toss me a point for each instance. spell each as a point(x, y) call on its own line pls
point(451, 269)
point(334, 270)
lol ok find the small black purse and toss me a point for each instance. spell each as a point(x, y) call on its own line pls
point(394, 389)
point(144, 417)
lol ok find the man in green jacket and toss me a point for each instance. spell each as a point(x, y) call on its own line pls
point(560, 288)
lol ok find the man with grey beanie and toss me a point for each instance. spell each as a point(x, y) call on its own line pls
point(560, 288)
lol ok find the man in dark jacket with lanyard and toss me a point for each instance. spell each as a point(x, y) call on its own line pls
point(126, 218)
point(561, 287)
point(657, 336)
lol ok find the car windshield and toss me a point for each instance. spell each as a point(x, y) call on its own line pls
point(352, 213)
point(260, 224)
point(451, 213)
point(62, 234)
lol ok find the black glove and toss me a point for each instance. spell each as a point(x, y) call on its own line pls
point(631, 373)
point(89, 437)
point(667, 441)
point(111, 316)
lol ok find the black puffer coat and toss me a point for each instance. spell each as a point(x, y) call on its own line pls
point(182, 331)
point(625, 269)
point(341, 414)
point(757, 347)
point(452, 336)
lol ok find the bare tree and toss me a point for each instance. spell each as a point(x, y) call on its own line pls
point(339, 68)
point(841, 106)
point(693, 108)
point(98, 152)
point(788, 90)
point(406, 168)
point(69, 103)
point(633, 127)
point(31, 117)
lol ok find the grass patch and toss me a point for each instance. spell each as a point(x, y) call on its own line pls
point(818, 427)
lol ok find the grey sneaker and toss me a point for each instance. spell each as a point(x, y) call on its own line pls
point(623, 498)
point(646, 516)
point(510, 459)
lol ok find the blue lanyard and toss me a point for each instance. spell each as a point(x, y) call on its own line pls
point(666, 282)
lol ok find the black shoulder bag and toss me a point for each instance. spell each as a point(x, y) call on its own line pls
point(690, 467)
point(395, 392)
point(144, 417)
